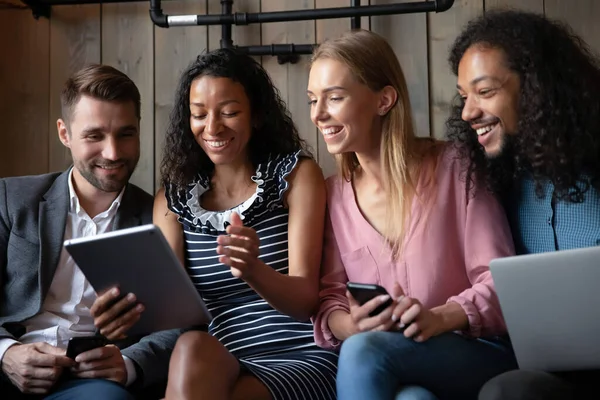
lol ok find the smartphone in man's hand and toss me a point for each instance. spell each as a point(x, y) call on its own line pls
point(78, 345)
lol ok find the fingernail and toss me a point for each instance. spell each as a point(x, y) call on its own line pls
point(140, 307)
point(115, 291)
point(401, 325)
point(131, 297)
point(394, 318)
point(399, 299)
point(384, 298)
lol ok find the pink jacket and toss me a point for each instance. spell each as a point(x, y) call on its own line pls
point(445, 259)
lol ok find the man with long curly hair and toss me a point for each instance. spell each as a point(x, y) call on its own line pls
point(528, 120)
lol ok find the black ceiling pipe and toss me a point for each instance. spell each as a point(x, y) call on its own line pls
point(77, 2)
point(284, 52)
point(355, 21)
point(166, 21)
point(443, 5)
point(277, 49)
point(226, 8)
point(41, 8)
point(156, 14)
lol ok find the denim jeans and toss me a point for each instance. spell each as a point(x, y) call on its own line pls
point(89, 389)
point(73, 389)
point(414, 393)
point(388, 366)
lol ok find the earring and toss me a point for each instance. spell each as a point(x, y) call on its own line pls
point(381, 112)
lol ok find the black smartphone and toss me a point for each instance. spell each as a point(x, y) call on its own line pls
point(78, 345)
point(364, 292)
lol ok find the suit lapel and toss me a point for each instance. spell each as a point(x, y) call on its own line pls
point(52, 222)
point(128, 214)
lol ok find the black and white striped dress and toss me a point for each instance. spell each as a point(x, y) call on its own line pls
point(276, 348)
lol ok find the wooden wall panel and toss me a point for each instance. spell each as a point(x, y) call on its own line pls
point(582, 15)
point(327, 28)
point(407, 34)
point(128, 44)
point(24, 75)
point(74, 42)
point(174, 49)
point(40, 54)
point(528, 5)
point(443, 28)
point(291, 79)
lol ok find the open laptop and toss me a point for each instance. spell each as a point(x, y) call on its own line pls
point(551, 305)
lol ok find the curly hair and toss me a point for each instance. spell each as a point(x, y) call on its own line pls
point(273, 130)
point(558, 133)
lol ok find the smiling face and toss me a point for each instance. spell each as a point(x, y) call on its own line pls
point(346, 111)
point(104, 139)
point(220, 119)
point(490, 91)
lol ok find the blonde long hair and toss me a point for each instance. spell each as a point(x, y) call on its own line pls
point(372, 61)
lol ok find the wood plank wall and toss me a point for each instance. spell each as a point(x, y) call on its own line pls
point(38, 55)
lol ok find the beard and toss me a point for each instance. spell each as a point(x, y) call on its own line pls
point(109, 182)
point(502, 166)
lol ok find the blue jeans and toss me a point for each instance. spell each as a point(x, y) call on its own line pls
point(89, 389)
point(414, 393)
point(386, 366)
point(72, 389)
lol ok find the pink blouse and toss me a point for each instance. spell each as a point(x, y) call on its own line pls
point(445, 259)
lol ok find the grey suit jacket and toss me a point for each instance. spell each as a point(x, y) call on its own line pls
point(33, 216)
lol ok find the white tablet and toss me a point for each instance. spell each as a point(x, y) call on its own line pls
point(139, 260)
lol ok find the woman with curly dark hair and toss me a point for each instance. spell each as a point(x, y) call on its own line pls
point(243, 207)
point(528, 122)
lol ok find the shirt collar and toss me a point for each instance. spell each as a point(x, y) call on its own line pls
point(74, 205)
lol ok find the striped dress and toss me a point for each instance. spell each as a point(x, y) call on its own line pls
point(277, 349)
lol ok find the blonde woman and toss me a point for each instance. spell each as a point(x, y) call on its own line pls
point(402, 216)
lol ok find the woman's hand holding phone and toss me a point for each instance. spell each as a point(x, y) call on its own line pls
point(372, 309)
point(422, 323)
point(365, 316)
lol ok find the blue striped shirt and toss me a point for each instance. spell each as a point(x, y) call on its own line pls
point(540, 224)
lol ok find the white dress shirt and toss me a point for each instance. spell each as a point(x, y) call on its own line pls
point(66, 309)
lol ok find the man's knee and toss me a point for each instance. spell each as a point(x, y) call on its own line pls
point(525, 385)
point(90, 389)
